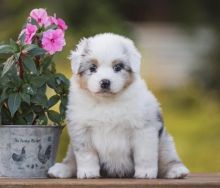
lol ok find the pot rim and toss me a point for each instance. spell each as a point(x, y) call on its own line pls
point(33, 126)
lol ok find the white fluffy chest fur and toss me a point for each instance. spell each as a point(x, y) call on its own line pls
point(114, 149)
point(110, 123)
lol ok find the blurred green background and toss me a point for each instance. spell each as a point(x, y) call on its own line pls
point(180, 44)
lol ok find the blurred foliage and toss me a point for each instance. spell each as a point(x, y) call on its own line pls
point(191, 113)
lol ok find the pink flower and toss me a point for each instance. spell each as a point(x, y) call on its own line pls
point(53, 41)
point(61, 24)
point(50, 21)
point(40, 15)
point(29, 31)
point(57, 21)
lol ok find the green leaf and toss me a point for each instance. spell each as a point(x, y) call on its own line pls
point(21, 38)
point(27, 88)
point(8, 64)
point(63, 106)
point(14, 45)
point(47, 62)
point(37, 51)
point(39, 100)
point(29, 47)
point(64, 101)
point(29, 118)
point(30, 64)
point(34, 22)
point(14, 101)
point(42, 119)
point(6, 49)
point(19, 121)
point(51, 82)
point(53, 100)
point(58, 89)
point(3, 96)
point(6, 117)
point(25, 97)
point(54, 116)
point(38, 109)
point(62, 109)
point(17, 55)
point(42, 90)
point(62, 78)
point(38, 81)
point(25, 109)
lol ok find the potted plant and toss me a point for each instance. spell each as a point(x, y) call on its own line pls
point(28, 145)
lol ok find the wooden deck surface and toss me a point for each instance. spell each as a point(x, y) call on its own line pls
point(192, 181)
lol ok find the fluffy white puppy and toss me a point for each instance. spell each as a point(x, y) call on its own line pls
point(114, 122)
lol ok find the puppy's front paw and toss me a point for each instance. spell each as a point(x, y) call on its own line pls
point(88, 173)
point(60, 170)
point(177, 171)
point(150, 173)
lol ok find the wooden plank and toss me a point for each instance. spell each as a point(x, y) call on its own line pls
point(192, 181)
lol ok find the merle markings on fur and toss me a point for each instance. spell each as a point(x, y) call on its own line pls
point(160, 119)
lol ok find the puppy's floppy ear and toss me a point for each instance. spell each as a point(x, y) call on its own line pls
point(75, 61)
point(77, 55)
point(135, 59)
point(133, 54)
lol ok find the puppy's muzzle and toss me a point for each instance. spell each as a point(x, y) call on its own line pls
point(105, 84)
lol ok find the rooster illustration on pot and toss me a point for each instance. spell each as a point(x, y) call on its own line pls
point(19, 158)
point(44, 155)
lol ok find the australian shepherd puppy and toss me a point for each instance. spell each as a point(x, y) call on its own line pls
point(115, 123)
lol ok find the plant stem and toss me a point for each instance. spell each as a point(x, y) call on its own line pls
point(38, 60)
point(21, 68)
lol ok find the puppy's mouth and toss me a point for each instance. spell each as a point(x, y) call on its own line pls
point(105, 92)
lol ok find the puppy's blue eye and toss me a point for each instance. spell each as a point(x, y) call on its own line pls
point(93, 68)
point(118, 67)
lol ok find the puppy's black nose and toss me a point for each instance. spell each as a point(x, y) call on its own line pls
point(105, 84)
